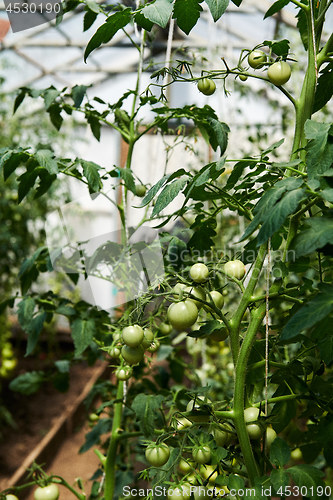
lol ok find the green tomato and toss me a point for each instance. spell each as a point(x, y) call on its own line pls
point(186, 465)
point(50, 492)
point(235, 269)
point(196, 407)
point(223, 437)
point(182, 315)
point(124, 373)
point(147, 338)
point(217, 298)
point(243, 78)
point(198, 292)
point(10, 496)
point(115, 352)
point(201, 454)
point(206, 86)
point(251, 414)
point(296, 455)
point(154, 346)
point(182, 423)
point(165, 328)
point(270, 436)
point(93, 417)
point(220, 334)
point(257, 58)
point(199, 272)
point(179, 492)
point(133, 335)
point(132, 355)
point(140, 190)
point(157, 454)
point(279, 72)
point(254, 431)
point(209, 473)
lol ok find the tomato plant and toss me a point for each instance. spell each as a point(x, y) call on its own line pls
point(240, 318)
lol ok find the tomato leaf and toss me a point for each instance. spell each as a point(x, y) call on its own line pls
point(82, 332)
point(107, 31)
point(324, 89)
point(89, 19)
point(28, 383)
point(147, 411)
point(279, 478)
point(274, 207)
point(187, 13)
point(93, 437)
point(309, 477)
point(78, 93)
point(319, 156)
point(168, 194)
point(276, 7)
point(158, 12)
point(90, 171)
point(217, 8)
point(280, 452)
point(309, 314)
point(313, 235)
point(45, 158)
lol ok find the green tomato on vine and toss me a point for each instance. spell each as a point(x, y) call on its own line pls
point(257, 58)
point(279, 73)
point(182, 315)
point(50, 492)
point(157, 454)
point(206, 86)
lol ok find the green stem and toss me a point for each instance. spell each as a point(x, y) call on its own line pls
point(278, 399)
point(245, 301)
point(239, 392)
point(110, 465)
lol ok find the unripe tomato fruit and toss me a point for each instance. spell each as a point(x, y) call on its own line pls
point(183, 423)
point(140, 190)
point(201, 454)
point(217, 298)
point(296, 454)
point(132, 355)
point(148, 337)
point(195, 406)
point(154, 346)
point(251, 414)
point(208, 472)
point(270, 436)
point(202, 492)
point(198, 292)
point(279, 72)
point(235, 269)
point(206, 86)
point(50, 492)
point(243, 78)
point(124, 373)
point(165, 328)
point(199, 272)
point(182, 315)
point(254, 431)
point(10, 496)
point(93, 417)
point(223, 437)
point(157, 454)
point(133, 335)
point(186, 466)
point(220, 334)
point(257, 58)
point(179, 492)
point(115, 352)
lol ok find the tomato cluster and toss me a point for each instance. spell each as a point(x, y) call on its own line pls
point(278, 72)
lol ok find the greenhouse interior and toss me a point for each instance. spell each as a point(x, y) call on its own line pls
point(166, 249)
